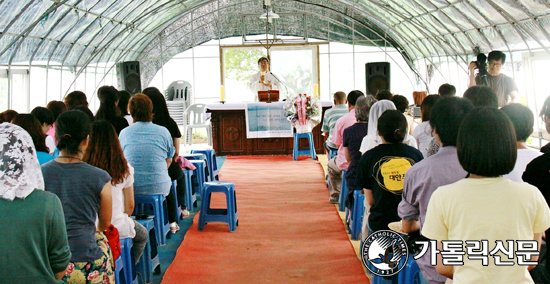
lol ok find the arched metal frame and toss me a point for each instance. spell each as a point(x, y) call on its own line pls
point(80, 34)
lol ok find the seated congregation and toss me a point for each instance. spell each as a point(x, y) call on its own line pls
point(73, 179)
point(464, 172)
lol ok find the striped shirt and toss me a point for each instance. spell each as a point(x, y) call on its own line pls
point(329, 121)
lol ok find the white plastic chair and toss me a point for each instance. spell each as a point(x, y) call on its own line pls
point(196, 118)
point(176, 109)
point(180, 91)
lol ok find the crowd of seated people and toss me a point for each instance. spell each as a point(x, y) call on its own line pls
point(77, 167)
point(443, 176)
point(473, 153)
point(485, 205)
point(338, 164)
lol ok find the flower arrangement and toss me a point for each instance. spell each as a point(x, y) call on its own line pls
point(304, 112)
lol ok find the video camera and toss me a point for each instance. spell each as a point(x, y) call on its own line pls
point(481, 64)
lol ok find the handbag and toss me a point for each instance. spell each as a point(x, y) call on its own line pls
point(114, 241)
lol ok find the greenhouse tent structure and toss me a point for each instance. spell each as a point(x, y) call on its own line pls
point(74, 35)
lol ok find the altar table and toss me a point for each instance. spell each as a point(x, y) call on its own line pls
point(229, 133)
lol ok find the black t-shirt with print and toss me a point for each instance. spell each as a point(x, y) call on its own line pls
point(382, 170)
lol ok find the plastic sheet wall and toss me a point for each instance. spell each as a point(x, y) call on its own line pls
point(78, 33)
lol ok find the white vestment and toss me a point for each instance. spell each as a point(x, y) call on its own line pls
point(254, 84)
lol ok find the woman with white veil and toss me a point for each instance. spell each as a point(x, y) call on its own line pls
point(34, 243)
point(373, 139)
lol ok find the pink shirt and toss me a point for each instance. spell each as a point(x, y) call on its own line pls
point(51, 132)
point(342, 123)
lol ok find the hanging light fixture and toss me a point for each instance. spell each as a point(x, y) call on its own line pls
point(269, 15)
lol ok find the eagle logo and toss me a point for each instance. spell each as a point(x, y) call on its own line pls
point(384, 253)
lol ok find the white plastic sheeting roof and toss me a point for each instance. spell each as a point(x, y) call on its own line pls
point(76, 33)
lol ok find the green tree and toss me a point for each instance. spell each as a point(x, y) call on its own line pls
point(298, 81)
point(241, 63)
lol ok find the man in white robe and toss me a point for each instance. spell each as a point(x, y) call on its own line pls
point(264, 80)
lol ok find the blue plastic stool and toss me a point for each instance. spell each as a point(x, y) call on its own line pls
point(194, 157)
point(149, 260)
point(211, 161)
point(357, 215)
point(159, 209)
point(228, 215)
point(119, 271)
point(296, 151)
point(199, 157)
point(200, 173)
point(127, 254)
point(332, 153)
point(343, 193)
point(190, 198)
point(408, 273)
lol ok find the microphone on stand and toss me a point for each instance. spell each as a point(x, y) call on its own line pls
point(269, 72)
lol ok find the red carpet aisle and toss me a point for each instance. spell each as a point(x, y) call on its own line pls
point(288, 231)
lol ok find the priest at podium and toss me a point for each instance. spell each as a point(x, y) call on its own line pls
point(264, 80)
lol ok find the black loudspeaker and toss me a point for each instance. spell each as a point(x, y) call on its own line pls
point(128, 77)
point(377, 77)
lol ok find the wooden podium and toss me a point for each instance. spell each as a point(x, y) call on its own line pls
point(268, 96)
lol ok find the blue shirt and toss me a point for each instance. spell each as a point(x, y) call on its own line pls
point(146, 146)
point(43, 157)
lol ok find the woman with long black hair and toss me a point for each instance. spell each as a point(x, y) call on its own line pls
point(104, 152)
point(108, 109)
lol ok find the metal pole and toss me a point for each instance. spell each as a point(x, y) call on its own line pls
point(161, 64)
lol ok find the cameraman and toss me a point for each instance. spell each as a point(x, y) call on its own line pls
point(504, 86)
